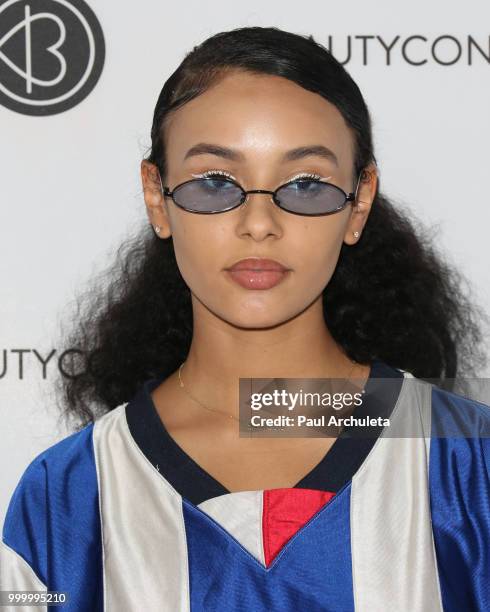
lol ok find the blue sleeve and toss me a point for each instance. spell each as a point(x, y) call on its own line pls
point(459, 474)
point(24, 530)
point(53, 521)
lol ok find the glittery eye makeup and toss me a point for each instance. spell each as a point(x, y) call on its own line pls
point(224, 173)
point(307, 175)
point(210, 173)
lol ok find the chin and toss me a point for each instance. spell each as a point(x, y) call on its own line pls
point(250, 319)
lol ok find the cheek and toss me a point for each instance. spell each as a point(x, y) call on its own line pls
point(200, 249)
point(316, 252)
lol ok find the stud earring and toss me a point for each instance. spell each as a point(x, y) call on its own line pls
point(356, 234)
point(158, 229)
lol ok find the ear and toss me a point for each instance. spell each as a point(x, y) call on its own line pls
point(156, 207)
point(361, 208)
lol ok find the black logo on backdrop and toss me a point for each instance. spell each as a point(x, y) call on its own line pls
point(23, 363)
point(51, 54)
point(414, 50)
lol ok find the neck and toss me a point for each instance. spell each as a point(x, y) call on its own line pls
point(220, 353)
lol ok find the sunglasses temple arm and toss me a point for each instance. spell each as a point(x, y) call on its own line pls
point(357, 186)
point(161, 184)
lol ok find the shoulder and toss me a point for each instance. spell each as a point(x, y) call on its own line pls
point(457, 428)
point(71, 455)
point(68, 462)
point(452, 414)
point(69, 452)
point(74, 452)
point(461, 430)
point(459, 460)
point(456, 414)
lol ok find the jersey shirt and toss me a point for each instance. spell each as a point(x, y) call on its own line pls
point(120, 518)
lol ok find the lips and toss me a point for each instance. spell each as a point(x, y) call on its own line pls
point(257, 273)
point(258, 264)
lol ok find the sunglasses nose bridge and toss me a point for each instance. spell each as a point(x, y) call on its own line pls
point(259, 191)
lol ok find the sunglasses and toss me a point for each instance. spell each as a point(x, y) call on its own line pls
point(303, 196)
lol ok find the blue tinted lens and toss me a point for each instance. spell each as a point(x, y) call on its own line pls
point(310, 197)
point(208, 195)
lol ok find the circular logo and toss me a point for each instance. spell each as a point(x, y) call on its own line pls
point(51, 54)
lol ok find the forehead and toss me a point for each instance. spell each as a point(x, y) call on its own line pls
point(261, 115)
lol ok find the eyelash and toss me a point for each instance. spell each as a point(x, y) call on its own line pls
point(315, 177)
point(210, 173)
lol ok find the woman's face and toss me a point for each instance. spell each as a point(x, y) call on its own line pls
point(258, 119)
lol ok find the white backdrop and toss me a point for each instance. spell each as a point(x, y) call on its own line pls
point(69, 185)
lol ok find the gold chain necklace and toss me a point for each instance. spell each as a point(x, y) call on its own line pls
point(200, 403)
point(231, 416)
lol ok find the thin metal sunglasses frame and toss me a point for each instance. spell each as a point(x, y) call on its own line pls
point(349, 197)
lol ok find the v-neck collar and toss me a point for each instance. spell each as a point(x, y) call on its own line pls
point(334, 470)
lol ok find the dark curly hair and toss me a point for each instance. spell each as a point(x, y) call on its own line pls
point(391, 297)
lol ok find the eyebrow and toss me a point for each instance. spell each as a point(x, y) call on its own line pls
point(203, 148)
point(312, 150)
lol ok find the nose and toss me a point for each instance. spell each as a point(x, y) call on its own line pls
point(258, 220)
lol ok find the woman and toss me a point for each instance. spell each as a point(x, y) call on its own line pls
point(271, 254)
